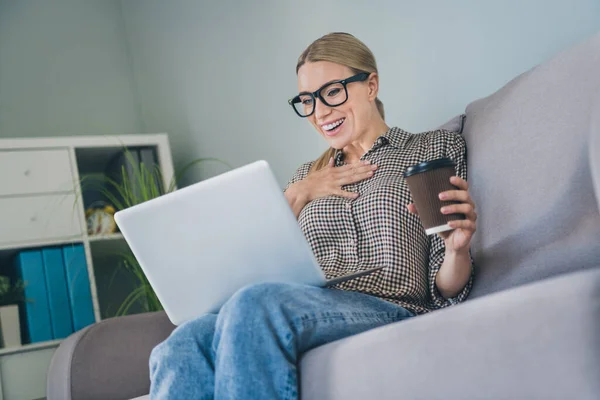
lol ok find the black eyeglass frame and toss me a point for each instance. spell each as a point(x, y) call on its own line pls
point(317, 94)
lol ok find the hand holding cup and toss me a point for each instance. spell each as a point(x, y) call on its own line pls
point(443, 202)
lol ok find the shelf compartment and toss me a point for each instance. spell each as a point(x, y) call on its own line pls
point(114, 282)
point(117, 164)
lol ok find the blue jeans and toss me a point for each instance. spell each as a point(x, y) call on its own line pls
point(250, 350)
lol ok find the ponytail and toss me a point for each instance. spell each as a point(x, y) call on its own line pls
point(379, 105)
point(323, 160)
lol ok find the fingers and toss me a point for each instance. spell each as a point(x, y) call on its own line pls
point(459, 182)
point(331, 162)
point(348, 167)
point(346, 175)
point(356, 174)
point(345, 194)
point(457, 195)
point(465, 224)
point(461, 195)
point(412, 208)
point(464, 208)
point(355, 177)
point(358, 166)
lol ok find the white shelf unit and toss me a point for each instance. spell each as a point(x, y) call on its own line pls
point(42, 203)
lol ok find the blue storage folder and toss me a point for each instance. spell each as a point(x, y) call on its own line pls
point(78, 283)
point(35, 312)
point(58, 293)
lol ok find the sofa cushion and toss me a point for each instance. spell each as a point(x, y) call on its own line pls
point(538, 341)
point(107, 360)
point(456, 124)
point(530, 174)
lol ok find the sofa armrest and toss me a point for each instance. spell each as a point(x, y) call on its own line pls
point(539, 341)
point(107, 360)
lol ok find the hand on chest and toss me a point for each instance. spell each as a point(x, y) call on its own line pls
point(383, 194)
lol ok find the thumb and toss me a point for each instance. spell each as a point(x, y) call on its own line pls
point(331, 161)
point(411, 208)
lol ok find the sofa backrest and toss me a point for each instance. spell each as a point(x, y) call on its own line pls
point(530, 161)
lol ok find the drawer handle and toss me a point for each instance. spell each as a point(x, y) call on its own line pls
point(27, 172)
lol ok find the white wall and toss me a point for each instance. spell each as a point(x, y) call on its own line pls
point(216, 75)
point(64, 69)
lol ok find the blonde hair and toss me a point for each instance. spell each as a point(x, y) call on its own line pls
point(344, 49)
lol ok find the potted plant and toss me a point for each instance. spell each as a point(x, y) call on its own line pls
point(138, 183)
point(11, 295)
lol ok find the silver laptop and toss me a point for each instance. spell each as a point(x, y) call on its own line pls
point(200, 244)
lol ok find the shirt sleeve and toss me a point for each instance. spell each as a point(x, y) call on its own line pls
point(300, 174)
point(457, 151)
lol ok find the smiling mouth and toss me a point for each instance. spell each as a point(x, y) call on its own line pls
point(330, 128)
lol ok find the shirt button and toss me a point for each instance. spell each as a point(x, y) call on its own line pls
point(348, 206)
point(351, 242)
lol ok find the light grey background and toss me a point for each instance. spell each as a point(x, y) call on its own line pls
point(216, 75)
point(65, 69)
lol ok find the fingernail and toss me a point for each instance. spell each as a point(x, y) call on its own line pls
point(443, 196)
point(374, 166)
point(366, 162)
point(444, 210)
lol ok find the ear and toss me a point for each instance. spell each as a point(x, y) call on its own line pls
point(373, 85)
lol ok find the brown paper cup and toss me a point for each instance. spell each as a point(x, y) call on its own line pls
point(425, 182)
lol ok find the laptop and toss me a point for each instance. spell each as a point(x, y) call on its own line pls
point(198, 245)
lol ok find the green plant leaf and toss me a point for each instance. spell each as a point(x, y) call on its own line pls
point(130, 300)
point(143, 294)
point(11, 294)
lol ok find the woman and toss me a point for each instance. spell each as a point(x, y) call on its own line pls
point(353, 206)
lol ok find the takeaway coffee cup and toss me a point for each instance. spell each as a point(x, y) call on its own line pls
point(425, 182)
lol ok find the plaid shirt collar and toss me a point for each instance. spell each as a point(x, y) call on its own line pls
point(395, 137)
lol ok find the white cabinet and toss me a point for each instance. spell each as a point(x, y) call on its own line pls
point(35, 171)
point(41, 217)
point(43, 203)
point(24, 374)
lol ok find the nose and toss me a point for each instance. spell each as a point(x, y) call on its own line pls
point(321, 109)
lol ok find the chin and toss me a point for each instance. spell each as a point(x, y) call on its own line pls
point(337, 143)
point(340, 140)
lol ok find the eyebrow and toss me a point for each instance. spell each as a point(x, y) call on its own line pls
point(321, 87)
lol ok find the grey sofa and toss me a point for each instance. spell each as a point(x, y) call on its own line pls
point(531, 327)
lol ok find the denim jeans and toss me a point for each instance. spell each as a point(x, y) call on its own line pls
point(250, 349)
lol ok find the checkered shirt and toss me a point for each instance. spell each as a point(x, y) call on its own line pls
point(376, 229)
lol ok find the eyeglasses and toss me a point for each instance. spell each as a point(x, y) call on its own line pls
point(332, 94)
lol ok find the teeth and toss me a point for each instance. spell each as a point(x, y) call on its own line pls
point(333, 125)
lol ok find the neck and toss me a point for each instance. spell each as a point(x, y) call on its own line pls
point(355, 150)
